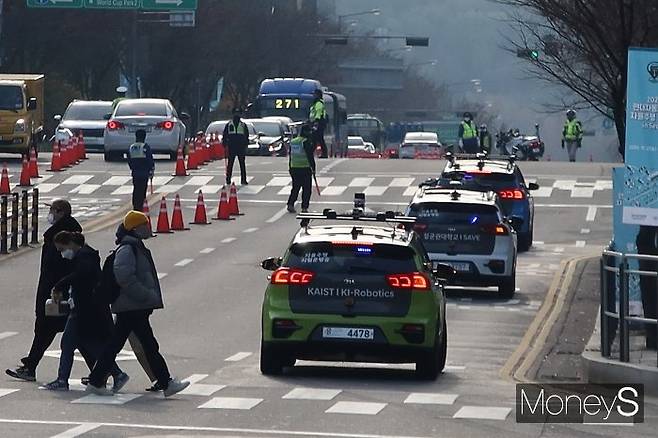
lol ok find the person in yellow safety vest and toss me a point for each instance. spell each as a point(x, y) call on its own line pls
point(485, 139)
point(236, 138)
point(121, 95)
point(572, 135)
point(468, 135)
point(318, 116)
point(301, 161)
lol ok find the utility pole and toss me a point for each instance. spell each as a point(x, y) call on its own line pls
point(133, 64)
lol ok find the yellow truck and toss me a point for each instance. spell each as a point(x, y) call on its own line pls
point(21, 112)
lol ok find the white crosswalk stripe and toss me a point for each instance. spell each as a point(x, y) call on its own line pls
point(361, 182)
point(117, 180)
point(85, 189)
point(77, 179)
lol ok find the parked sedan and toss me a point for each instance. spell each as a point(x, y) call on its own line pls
point(165, 130)
point(419, 142)
point(86, 116)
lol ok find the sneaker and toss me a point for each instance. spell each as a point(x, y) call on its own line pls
point(174, 387)
point(291, 209)
point(84, 381)
point(98, 390)
point(23, 373)
point(304, 210)
point(56, 385)
point(119, 382)
point(155, 388)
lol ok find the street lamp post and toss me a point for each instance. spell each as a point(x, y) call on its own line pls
point(356, 14)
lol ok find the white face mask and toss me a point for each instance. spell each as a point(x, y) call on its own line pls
point(51, 218)
point(68, 254)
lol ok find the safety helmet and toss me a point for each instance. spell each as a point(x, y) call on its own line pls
point(122, 89)
point(571, 113)
point(468, 115)
point(318, 92)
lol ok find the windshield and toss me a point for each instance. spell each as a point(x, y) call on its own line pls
point(297, 108)
point(454, 214)
point(268, 128)
point(86, 111)
point(141, 109)
point(11, 98)
point(352, 141)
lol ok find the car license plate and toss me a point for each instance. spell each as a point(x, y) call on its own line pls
point(348, 333)
point(458, 266)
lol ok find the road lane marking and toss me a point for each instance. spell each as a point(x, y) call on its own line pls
point(250, 189)
point(238, 356)
point(202, 389)
point(228, 240)
point(184, 262)
point(77, 431)
point(356, 408)
point(250, 230)
point(584, 231)
point(47, 187)
point(558, 249)
point(278, 215)
point(278, 181)
point(238, 403)
point(162, 275)
point(207, 250)
point(424, 398)
point(580, 243)
point(195, 378)
point(198, 181)
point(333, 191)
point(454, 368)
point(360, 182)
point(582, 192)
point(482, 412)
point(5, 335)
point(161, 180)
point(285, 191)
point(375, 190)
point(401, 182)
point(210, 189)
point(591, 213)
point(116, 399)
point(312, 394)
point(76, 180)
point(330, 166)
point(123, 190)
point(170, 188)
point(117, 181)
point(85, 189)
point(4, 392)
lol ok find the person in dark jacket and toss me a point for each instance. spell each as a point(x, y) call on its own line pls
point(89, 323)
point(301, 161)
point(142, 166)
point(139, 295)
point(236, 138)
point(53, 268)
point(647, 244)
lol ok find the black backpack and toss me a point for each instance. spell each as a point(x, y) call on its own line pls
point(107, 289)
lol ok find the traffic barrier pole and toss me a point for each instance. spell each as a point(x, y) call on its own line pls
point(14, 222)
point(4, 201)
point(25, 218)
point(35, 217)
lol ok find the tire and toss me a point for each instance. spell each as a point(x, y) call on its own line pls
point(272, 361)
point(507, 288)
point(433, 363)
point(525, 239)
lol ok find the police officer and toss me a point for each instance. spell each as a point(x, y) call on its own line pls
point(572, 135)
point(302, 167)
point(236, 137)
point(121, 94)
point(142, 166)
point(468, 135)
point(318, 116)
point(485, 139)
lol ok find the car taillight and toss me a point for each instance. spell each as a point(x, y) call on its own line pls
point(167, 125)
point(511, 194)
point(413, 280)
point(496, 229)
point(113, 125)
point(291, 276)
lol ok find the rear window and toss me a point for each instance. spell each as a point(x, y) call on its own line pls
point(454, 214)
point(331, 258)
point(141, 109)
point(491, 181)
point(90, 112)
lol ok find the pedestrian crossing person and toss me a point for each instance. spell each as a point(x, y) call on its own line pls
point(142, 167)
point(236, 138)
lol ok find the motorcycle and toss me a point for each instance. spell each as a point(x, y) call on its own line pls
point(525, 147)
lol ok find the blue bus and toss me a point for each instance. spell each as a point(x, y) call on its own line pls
point(292, 97)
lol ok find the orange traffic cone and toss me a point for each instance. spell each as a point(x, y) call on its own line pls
point(147, 211)
point(223, 212)
point(25, 174)
point(192, 157)
point(4, 181)
point(200, 217)
point(177, 223)
point(33, 165)
point(163, 219)
point(56, 161)
point(64, 152)
point(233, 202)
point(180, 164)
point(81, 144)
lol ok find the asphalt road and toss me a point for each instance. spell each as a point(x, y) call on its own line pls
point(209, 331)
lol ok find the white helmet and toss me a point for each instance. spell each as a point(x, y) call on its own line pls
point(122, 89)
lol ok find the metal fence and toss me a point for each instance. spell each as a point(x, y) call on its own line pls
point(20, 212)
point(615, 275)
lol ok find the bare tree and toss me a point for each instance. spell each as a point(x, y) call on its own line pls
point(582, 45)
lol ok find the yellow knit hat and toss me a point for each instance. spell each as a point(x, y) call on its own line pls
point(133, 219)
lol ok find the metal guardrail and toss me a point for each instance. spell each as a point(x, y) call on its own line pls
point(615, 274)
point(9, 221)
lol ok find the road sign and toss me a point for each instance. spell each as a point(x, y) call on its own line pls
point(54, 3)
point(112, 4)
point(170, 5)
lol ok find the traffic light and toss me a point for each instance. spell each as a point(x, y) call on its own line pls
point(531, 54)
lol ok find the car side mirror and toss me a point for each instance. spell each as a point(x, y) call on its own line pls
point(32, 104)
point(533, 186)
point(271, 263)
point(57, 118)
point(515, 222)
point(445, 272)
point(107, 116)
point(261, 134)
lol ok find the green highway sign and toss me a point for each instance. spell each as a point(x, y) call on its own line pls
point(54, 3)
point(112, 4)
point(157, 5)
point(170, 5)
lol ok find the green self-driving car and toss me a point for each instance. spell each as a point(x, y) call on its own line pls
point(355, 288)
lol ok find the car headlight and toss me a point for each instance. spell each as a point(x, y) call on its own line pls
point(20, 125)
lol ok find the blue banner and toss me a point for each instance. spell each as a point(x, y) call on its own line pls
point(641, 185)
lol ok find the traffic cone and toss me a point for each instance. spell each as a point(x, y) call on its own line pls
point(200, 217)
point(83, 147)
point(56, 160)
point(233, 202)
point(214, 150)
point(33, 165)
point(177, 222)
point(223, 213)
point(192, 157)
point(66, 156)
point(147, 211)
point(163, 219)
point(4, 181)
point(25, 174)
point(180, 164)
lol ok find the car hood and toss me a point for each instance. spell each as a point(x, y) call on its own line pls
point(265, 139)
point(82, 124)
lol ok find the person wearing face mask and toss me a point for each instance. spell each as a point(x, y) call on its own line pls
point(468, 135)
point(236, 137)
point(89, 323)
point(139, 295)
point(53, 268)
